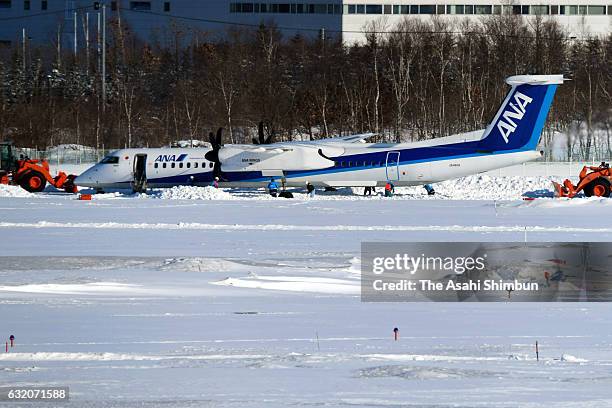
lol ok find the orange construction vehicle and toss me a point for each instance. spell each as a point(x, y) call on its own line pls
point(595, 181)
point(31, 175)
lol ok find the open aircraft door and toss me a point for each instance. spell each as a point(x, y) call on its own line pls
point(139, 183)
point(393, 166)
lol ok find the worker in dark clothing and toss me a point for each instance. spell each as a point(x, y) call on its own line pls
point(311, 190)
point(273, 188)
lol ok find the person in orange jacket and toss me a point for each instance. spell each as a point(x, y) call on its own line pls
point(389, 189)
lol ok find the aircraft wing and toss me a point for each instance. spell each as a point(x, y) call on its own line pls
point(346, 139)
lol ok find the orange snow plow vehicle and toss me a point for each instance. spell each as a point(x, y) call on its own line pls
point(595, 181)
point(31, 175)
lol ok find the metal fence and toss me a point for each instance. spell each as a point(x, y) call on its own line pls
point(66, 154)
point(545, 168)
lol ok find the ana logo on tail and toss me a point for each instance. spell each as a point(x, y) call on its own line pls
point(507, 124)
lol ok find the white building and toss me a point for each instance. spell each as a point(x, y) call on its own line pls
point(45, 20)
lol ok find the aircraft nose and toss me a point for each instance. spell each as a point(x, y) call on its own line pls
point(88, 178)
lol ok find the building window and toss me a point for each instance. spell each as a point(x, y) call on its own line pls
point(482, 9)
point(351, 9)
point(167, 6)
point(140, 5)
point(597, 10)
point(414, 9)
point(440, 10)
point(405, 9)
point(469, 9)
point(360, 9)
point(374, 9)
point(113, 6)
point(4, 4)
point(43, 5)
point(427, 9)
point(396, 9)
point(337, 8)
point(387, 9)
point(300, 9)
point(539, 10)
point(497, 9)
point(525, 10)
point(26, 5)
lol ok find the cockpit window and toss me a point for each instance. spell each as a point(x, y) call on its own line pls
point(110, 160)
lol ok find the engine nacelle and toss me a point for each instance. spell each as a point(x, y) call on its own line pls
point(277, 157)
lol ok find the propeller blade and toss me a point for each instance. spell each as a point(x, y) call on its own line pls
point(220, 136)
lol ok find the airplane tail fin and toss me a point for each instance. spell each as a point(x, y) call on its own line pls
point(519, 121)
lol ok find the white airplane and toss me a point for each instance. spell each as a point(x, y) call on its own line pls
point(511, 138)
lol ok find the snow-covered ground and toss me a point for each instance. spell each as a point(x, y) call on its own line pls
point(196, 297)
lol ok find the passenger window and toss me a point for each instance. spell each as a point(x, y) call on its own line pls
point(173, 165)
point(203, 165)
point(180, 165)
point(211, 164)
point(164, 165)
point(156, 165)
point(350, 164)
point(188, 165)
point(195, 165)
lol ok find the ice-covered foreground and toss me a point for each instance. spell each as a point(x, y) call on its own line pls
point(255, 303)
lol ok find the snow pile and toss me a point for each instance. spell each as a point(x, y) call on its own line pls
point(565, 202)
point(484, 187)
point(13, 191)
point(572, 359)
point(192, 193)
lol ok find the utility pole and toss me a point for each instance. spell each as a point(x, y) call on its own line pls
point(23, 50)
point(59, 47)
point(87, 43)
point(98, 44)
point(74, 17)
point(103, 57)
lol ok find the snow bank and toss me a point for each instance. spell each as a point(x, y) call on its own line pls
point(192, 193)
point(484, 187)
point(294, 284)
point(55, 356)
point(14, 191)
point(572, 359)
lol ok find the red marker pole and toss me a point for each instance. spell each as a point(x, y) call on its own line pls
point(12, 339)
point(396, 334)
point(537, 352)
point(6, 348)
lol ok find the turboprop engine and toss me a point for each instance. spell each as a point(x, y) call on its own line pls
point(277, 157)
